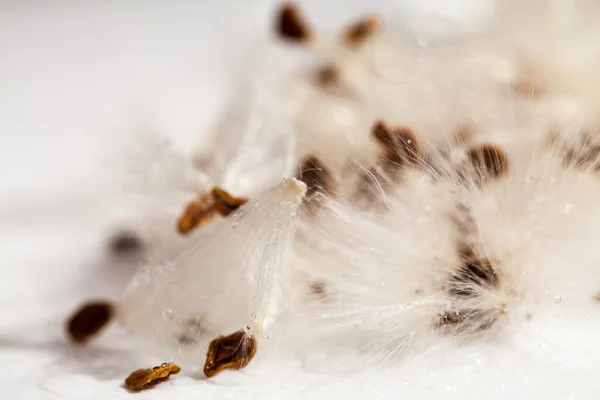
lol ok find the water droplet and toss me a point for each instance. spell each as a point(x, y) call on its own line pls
point(557, 299)
point(247, 329)
point(253, 315)
point(168, 314)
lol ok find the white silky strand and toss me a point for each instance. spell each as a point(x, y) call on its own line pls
point(225, 282)
point(373, 276)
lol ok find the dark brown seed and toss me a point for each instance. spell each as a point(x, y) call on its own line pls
point(290, 25)
point(357, 33)
point(407, 140)
point(125, 243)
point(399, 144)
point(489, 160)
point(474, 273)
point(382, 133)
point(89, 320)
point(315, 175)
point(229, 352)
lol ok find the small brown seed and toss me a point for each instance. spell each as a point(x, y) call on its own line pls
point(290, 25)
point(125, 243)
point(319, 289)
point(225, 203)
point(400, 146)
point(142, 379)
point(474, 273)
point(206, 208)
point(490, 161)
point(360, 31)
point(328, 75)
point(234, 351)
point(315, 175)
point(89, 320)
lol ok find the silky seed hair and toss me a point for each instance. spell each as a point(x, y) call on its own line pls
point(443, 213)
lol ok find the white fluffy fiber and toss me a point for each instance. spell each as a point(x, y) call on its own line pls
point(383, 271)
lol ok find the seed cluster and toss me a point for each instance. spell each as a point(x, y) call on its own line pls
point(399, 149)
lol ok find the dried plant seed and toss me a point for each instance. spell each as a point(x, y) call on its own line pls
point(490, 161)
point(206, 208)
point(319, 289)
point(142, 379)
point(290, 25)
point(89, 320)
point(225, 203)
point(316, 176)
point(474, 273)
point(234, 351)
point(400, 146)
point(359, 32)
point(197, 213)
point(328, 75)
point(125, 243)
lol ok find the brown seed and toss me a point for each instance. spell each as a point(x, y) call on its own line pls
point(206, 208)
point(474, 320)
point(197, 213)
point(141, 379)
point(328, 75)
point(125, 243)
point(315, 175)
point(290, 25)
point(89, 320)
point(234, 351)
point(382, 133)
point(225, 203)
point(451, 317)
point(489, 160)
point(360, 31)
point(400, 144)
point(475, 272)
point(319, 289)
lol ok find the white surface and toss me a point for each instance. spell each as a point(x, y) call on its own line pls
point(74, 80)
